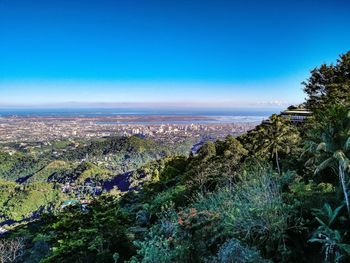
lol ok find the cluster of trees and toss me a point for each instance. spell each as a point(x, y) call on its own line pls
point(118, 154)
point(31, 181)
point(17, 165)
point(124, 153)
point(21, 202)
point(279, 193)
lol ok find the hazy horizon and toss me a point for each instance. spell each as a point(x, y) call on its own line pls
point(148, 105)
point(61, 93)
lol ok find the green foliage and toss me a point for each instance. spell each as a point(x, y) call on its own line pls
point(122, 154)
point(22, 201)
point(329, 84)
point(56, 168)
point(331, 239)
point(14, 166)
point(329, 144)
point(251, 210)
point(217, 166)
point(273, 140)
point(172, 196)
point(234, 251)
point(226, 203)
point(88, 170)
point(91, 235)
point(305, 196)
point(81, 168)
point(164, 242)
point(207, 151)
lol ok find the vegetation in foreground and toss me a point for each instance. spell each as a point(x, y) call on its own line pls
point(277, 194)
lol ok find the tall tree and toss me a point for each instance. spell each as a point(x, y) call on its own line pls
point(275, 138)
point(329, 142)
point(329, 84)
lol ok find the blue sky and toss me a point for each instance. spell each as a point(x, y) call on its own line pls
point(208, 52)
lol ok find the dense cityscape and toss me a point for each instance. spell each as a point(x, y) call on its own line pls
point(41, 129)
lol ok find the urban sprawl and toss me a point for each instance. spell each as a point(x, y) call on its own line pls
point(40, 129)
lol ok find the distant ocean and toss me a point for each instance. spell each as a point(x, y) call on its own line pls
point(221, 115)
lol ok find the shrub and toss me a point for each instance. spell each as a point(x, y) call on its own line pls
point(233, 251)
point(332, 240)
point(163, 243)
point(167, 198)
point(248, 209)
point(252, 211)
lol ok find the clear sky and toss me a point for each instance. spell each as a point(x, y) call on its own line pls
point(171, 51)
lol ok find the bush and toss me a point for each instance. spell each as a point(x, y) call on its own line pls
point(248, 208)
point(252, 211)
point(174, 195)
point(233, 251)
point(163, 243)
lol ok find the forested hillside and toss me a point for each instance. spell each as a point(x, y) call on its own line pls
point(276, 194)
point(36, 179)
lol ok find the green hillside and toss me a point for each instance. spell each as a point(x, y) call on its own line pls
point(279, 193)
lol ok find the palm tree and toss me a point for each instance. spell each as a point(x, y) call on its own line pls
point(330, 144)
point(276, 137)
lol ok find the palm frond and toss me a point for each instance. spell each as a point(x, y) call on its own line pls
point(334, 214)
point(345, 247)
point(325, 164)
point(347, 144)
point(340, 156)
point(321, 147)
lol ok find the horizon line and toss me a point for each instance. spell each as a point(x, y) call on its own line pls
point(156, 104)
